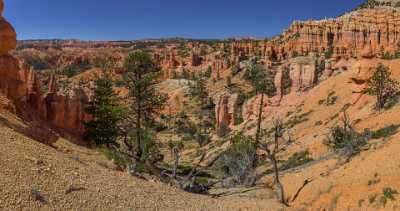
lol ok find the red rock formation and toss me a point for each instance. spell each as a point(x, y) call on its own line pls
point(7, 34)
point(225, 109)
point(279, 84)
point(252, 107)
point(195, 58)
point(302, 73)
point(23, 87)
point(362, 33)
point(52, 84)
point(10, 83)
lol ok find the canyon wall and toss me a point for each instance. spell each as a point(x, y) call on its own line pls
point(361, 33)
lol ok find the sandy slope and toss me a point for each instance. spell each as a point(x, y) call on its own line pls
point(359, 184)
point(27, 165)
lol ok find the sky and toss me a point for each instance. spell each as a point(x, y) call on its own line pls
point(142, 19)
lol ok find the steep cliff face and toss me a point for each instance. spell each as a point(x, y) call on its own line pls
point(366, 32)
point(303, 73)
point(361, 33)
point(63, 111)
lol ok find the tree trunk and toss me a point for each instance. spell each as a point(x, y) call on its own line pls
point(177, 158)
point(139, 118)
point(381, 102)
point(260, 112)
point(280, 192)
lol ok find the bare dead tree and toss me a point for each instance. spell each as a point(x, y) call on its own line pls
point(272, 148)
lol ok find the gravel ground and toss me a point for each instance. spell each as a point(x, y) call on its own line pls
point(34, 176)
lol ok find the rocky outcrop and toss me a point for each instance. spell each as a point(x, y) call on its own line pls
point(195, 58)
point(367, 32)
point(225, 109)
point(252, 107)
point(23, 87)
point(302, 73)
point(7, 34)
point(363, 33)
point(10, 84)
point(279, 84)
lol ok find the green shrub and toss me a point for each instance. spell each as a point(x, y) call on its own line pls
point(242, 97)
point(331, 99)
point(295, 120)
point(345, 140)
point(202, 139)
point(297, 159)
point(263, 81)
point(120, 83)
point(321, 68)
point(287, 81)
point(385, 132)
point(185, 126)
point(329, 53)
point(393, 101)
point(373, 4)
point(238, 162)
point(388, 193)
point(75, 69)
point(318, 123)
point(37, 195)
point(223, 130)
point(208, 72)
point(36, 63)
point(120, 159)
point(387, 56)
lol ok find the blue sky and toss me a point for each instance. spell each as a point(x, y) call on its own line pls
point(138, 19)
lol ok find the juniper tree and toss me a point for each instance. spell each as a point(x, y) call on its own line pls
point(141, 77)
point(382, 86)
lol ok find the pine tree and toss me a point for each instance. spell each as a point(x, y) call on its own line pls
point(382, 86)
point(141, 77)
point(106, 111)
point(198, 90)
point(263, 84)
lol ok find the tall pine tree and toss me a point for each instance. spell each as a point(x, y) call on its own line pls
point(106, 110)
point(141, 76)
